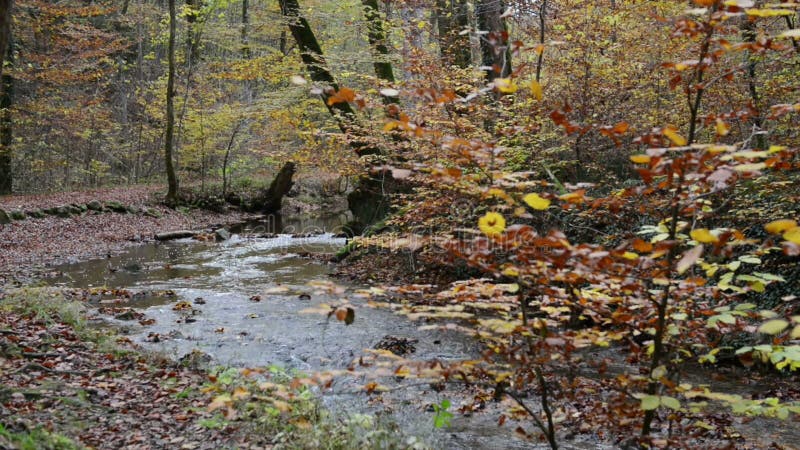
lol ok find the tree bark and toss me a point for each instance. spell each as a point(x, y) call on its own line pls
point(245, 29)
point(279, 187)
point(6, 85)
point(172, 179)
point(495, 53)
point(452, 17)
point(311, 53)
point(377, 40)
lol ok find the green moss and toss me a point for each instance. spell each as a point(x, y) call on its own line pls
point(35, 439)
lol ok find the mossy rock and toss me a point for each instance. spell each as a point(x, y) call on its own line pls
point(63, 211)
point(74, 210)
point(94, 205)
point(36, 214)
point(4, 219)
point(133, 209)
point(154, 213)
point(51, 211)
point(116, 207)
point(17, 214)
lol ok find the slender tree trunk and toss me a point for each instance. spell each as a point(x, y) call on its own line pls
point(540, 57)
point(377, 40)
point(172, 179)
point(245, 29)
point(6, 85)
point(311, 53)
point(452, 17)
point(495, 53)
point(749, 35)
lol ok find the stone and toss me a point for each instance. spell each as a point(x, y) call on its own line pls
point(94, 205)
point(154, 213)
point(116, 207)
point(222, 234)
point(17, 214)
point(63, 211)
point(4, 219)
point(36, 214)
point(133, 209)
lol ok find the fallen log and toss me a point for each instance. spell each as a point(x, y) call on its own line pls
point(172, 235)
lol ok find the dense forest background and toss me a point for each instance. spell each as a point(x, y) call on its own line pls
point(85, 84)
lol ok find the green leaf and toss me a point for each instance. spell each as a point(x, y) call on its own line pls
point(650, 402)
point(671, 402)
point(773, 326)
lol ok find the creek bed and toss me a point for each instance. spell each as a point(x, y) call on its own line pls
point(247, 294)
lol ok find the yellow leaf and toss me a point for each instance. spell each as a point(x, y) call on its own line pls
point(505, 85)
point(769, 12)
point(630, 255)
point(793, 235)
point(776, 149)
point(722, 128)
point(779, 226)
point(674, 137)
point(704, 236)
point(492, 224)
point(536, 202)
point(536, 89)
point(640, 159)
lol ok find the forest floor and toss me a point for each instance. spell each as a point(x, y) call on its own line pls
point(29, 247)
point(65, 384)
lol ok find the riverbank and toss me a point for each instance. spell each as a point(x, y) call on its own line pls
point(93, 224)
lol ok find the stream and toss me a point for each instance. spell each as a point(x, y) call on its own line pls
point(221, 280)
point(247, 294)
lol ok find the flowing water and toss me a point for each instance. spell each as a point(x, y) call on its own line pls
point(246, 297)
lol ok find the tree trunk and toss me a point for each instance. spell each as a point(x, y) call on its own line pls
point(377, 40)
point(452, 17)
point(6, 86)
point(245, 30)
point(368, 202)
point(495, 52)
point(172, 179)
point(311, 53)
point(279, 187)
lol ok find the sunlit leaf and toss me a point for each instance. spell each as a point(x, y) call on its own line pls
point(640, 159)
point(780, 226)
point(674, 137)
point(536, 202)
point(492, 224)
point(704, 236)
point(650, 402)
point(505, 85)
point(792, 235)
point(536, 90)
point(774, 326)
point(722, 128)
point(670, 402)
